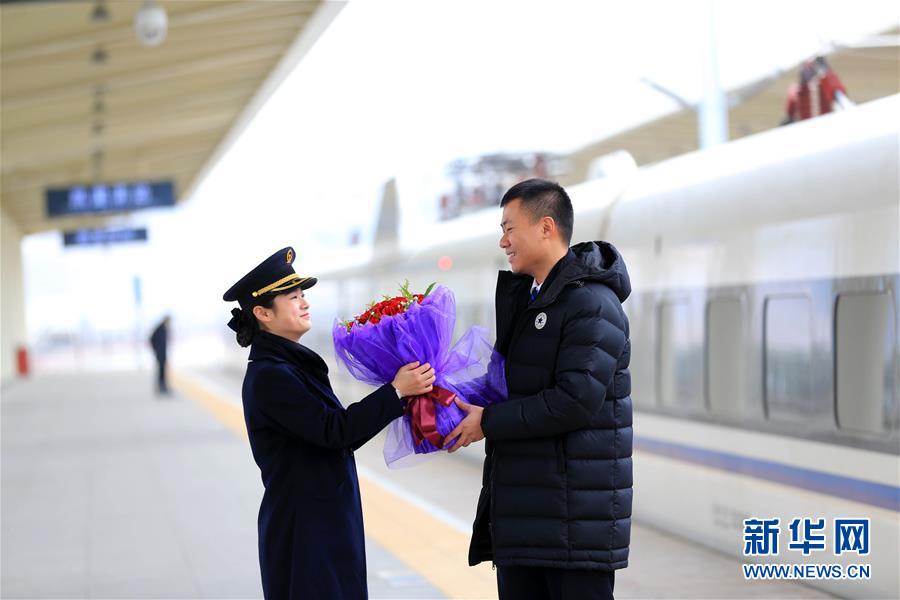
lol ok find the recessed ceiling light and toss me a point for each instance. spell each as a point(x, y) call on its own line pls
point(99, 56)
point(99, 14)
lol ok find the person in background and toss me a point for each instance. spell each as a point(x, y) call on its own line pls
point(159, 341)
point(817, 91)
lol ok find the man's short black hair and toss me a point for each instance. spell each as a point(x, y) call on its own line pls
point(542, 198)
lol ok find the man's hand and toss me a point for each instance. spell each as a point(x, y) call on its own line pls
point(468, 430)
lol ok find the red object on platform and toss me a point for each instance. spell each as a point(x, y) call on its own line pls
point(814, 93)
point(22, 361)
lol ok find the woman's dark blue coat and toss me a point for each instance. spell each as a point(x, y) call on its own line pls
point(311, 542)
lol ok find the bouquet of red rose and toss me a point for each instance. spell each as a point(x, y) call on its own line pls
point(418, 327)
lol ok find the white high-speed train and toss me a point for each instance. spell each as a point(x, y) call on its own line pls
point(764, 329)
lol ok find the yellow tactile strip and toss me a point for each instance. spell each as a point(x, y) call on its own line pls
point(423, 542)
point(428, 546)
point(228, 413)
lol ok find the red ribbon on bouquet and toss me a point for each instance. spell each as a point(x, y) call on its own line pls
point(423, 414)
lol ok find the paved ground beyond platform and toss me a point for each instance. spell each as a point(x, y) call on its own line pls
point(110, 492)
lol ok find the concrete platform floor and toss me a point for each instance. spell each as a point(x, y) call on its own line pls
point(111, 492)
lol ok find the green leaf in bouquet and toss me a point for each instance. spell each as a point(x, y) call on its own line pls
point(404, 289)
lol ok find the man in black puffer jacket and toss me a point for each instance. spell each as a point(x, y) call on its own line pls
point(554, 513)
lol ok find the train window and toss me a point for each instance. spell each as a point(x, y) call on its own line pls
point(725, 358)
point(864, 342)
point(788, 358)
point(488, 319)
point(679, 356)
point(641, 319)
point(475, 316)
point(466, 316)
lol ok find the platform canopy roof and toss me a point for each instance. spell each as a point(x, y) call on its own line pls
point(869, 70)
point(83, 100)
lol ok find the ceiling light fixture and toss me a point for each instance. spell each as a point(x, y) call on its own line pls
point(99, 56)
point(151, 23)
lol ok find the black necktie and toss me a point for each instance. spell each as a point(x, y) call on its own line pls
point(534, 293)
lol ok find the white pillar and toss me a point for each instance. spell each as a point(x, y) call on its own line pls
point(12, 296)
point(712, 114)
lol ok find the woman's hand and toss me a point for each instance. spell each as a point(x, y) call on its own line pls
point(414, 380)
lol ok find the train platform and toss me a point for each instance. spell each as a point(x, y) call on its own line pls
point(109, 491)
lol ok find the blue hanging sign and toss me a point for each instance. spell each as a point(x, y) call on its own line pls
point(90, 237)
point(109, 198)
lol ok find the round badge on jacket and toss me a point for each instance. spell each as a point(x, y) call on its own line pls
point(540, 321)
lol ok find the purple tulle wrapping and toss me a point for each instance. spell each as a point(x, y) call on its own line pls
point(373, 353)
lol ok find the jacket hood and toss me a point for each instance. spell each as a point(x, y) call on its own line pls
point(587, 261)
point(599, 261)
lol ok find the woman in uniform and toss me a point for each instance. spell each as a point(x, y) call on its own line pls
point(311, 542)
